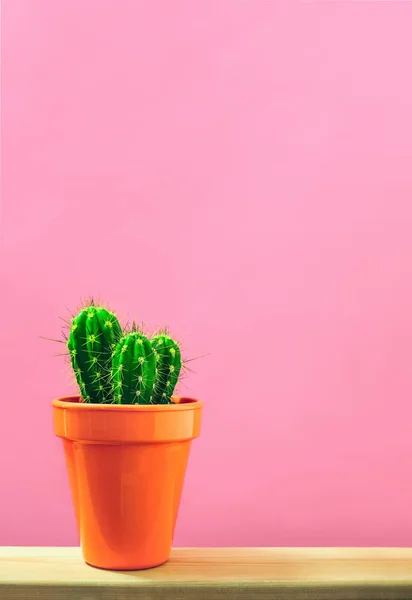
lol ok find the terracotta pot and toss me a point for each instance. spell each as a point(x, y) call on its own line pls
point(126, 466)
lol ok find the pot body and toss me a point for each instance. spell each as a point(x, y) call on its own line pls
point(126, 467)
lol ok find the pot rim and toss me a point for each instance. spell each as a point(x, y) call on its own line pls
point(179, 403)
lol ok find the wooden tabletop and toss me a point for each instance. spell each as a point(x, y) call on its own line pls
point(209, 574)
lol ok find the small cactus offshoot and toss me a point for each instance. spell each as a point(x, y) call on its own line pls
point(123, 367)
point(168, 366)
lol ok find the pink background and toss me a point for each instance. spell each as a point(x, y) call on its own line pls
point(243, 172)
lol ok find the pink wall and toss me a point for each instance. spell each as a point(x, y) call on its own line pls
point(242, 171)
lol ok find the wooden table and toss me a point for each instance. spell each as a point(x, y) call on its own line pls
point(209, 574)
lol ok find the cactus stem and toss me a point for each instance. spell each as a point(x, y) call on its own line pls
point(168, 366)
point(90, 345)
point(133, 367)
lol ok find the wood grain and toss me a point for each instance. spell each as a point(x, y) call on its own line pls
point(209, 574)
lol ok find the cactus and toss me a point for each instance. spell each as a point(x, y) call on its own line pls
point(114, 366)
point(94, 333)
point(133, 369)
point(168, 366)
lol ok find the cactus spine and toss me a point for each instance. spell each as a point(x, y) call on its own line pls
point(94, 333)
point(168, 366)
point(133, 369)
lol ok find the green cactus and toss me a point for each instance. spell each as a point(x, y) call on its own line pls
point(133, 369)
point(168, 366)
point(94, 333)
point(113, 366)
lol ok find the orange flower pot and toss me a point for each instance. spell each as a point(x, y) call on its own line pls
point(126, 466)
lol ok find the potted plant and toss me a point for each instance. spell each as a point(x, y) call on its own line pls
point(126, 440)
